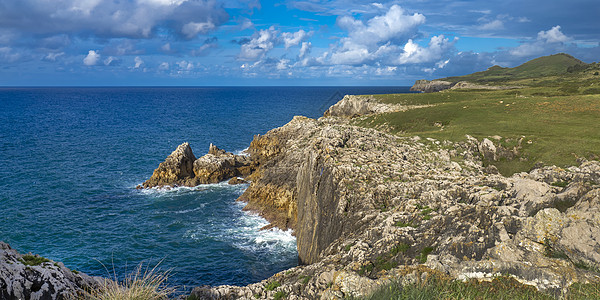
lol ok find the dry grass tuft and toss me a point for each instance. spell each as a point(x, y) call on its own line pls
point(143, 284)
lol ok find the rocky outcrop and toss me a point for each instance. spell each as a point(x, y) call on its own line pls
point(353, 106)
point(177, 169)
point(474, 86)
point(369, 207)
point(427, 86)
point(181, 168)
point(34, 277)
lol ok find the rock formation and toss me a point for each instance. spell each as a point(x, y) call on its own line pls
point(34, 277)
point(368, 207)
point(427, 86)
point(181, 168)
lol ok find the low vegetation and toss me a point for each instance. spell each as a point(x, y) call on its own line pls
point(555, 114)
point(143, 283)
point(502, 287)
point(33, 260)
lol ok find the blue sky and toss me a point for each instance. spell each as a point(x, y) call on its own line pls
point(305, 42)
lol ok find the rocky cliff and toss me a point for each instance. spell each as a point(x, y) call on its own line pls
point(427, 86)
point(33, 277)
point(369, 207)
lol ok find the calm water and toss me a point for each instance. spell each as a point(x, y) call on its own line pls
point(70, 159)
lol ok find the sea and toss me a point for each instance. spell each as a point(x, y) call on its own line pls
point(71, 157)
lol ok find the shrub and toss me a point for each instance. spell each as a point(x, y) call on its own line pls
point(143, 283)
point(272, 285)
point(33, 260)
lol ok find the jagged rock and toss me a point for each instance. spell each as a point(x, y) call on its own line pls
point(219, 165)
point(353, 106)
point(368, 207)
point(177, 169)
point(487, 149)
point(45, 279)
point(236, 180)
point(431, 86)
point(181, 168)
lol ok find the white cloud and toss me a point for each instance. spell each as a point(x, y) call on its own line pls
point(163, 66)
point(305, 49)
point(53, 56)
point(8, 55)
point(394, 24)
point(553, 35)
point(552, 40)
point(261, 42)
point(493, 25)
point(113, 19)
point(292, 39)
point(192, 29)
point(413, 53)
point(138, 62)
point(185, 65)
point(111, 61)
point(92, 58)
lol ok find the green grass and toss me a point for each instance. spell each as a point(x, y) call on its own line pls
point(556, 112)
point(503, 287)
point(33, 260)
point(557, 130)
point(424, 253)
point(272, 285)
point(279, 295)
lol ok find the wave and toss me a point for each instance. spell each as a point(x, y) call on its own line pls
point(243, 152)
point(223, 185)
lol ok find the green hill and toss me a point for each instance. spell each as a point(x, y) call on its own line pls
point(553, 65)
point(551, 119)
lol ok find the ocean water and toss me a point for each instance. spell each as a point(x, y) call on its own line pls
point(70, 159)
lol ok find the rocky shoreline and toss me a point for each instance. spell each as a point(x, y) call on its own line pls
point(369, 208)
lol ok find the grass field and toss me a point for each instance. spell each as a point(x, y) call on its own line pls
point(558, 116)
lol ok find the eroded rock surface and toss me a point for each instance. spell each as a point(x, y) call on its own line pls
point(181, 168)
point(368, 207)
point(44, 280)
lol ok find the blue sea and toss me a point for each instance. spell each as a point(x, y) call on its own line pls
point(70, 159)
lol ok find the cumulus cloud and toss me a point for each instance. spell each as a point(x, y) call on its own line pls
point(265, 40)
point(413, 53)
point(92, 58)
point(552, 40)
point(305, 49)
point(112, 61)
point(164, 66)
point(393, 25)
point(553, 35)
point(294, 38)
point(138, 62)
point(53, 56)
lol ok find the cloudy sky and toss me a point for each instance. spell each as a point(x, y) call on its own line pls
point(304, 42)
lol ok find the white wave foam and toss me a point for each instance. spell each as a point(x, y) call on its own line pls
point(250, 237)
point(243, 152)
point(199, 188)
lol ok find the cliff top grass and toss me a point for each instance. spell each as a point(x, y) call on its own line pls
point(558, 116)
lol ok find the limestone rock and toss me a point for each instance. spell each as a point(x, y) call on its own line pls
point(431, 86)
point(177, 169)
point(181, 168)
point(45, 280)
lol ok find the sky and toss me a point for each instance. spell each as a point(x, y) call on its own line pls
point(295, 42)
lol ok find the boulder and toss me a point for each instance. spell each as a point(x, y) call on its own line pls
point(219, 165)
point(34, 277)
point(177, 169)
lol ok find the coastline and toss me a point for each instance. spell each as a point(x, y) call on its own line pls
point(369, 207)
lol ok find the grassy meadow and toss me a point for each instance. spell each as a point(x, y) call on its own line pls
point(556, 113)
